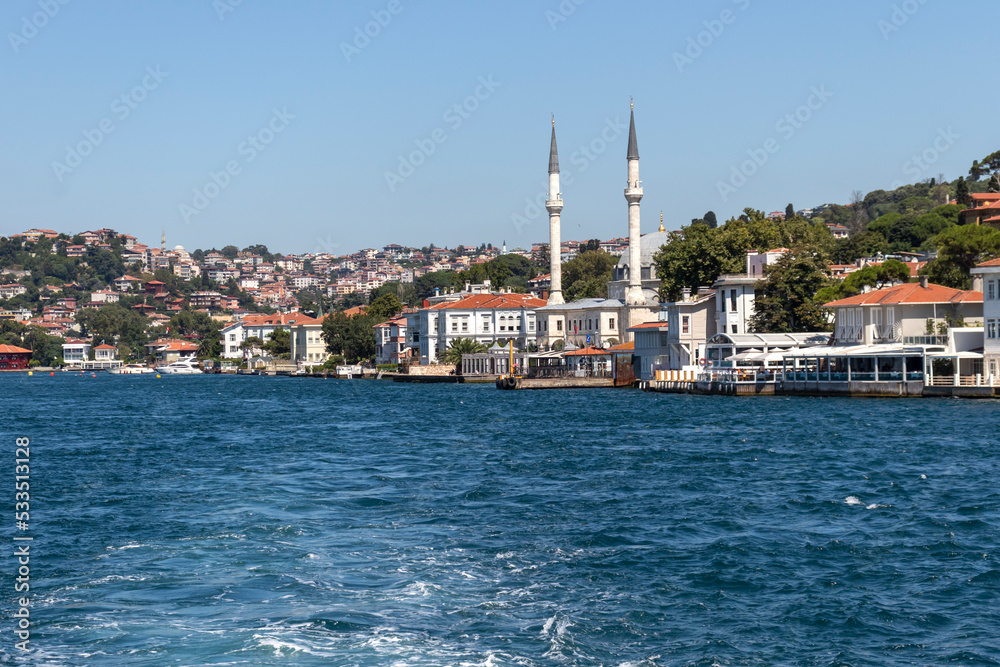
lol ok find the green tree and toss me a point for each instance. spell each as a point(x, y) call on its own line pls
point(405, 292)
point(586, 276)
point(460, 346)
point(785, 301)
point(592, 244)
point(385, 307)
point(350, 337)
point(279, 342)
point(711, 220)
point(890, 272)
point(427, 283)
point(252, 343)
point(960, 248)
point(193, 324)
point(789, 212)
point(962, 195)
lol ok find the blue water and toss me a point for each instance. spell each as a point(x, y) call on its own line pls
point(278, 521)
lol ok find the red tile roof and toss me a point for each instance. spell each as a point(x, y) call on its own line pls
point(910, 293)
point(624, 347)
point(588, 352)
point(477, 301)
point(992, 262)
point(173, 345)
point(105, 347)
point(13, 349)
point(279, 319)
point(649, 325)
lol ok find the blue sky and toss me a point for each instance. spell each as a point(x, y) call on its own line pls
point(260, 121)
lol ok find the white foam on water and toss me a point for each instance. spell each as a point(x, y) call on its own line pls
point(853, 500)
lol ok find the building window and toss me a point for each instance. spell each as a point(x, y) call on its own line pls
point(558, 325)
point(735, 329)
point(611, 323)
point(732, 301)
point(531, 325)
point(722, 300)
point(465, 325)
point(486, 327)
point(588, 322)
point(454, 326)
point(685, 324)
point(991, 287)
point(991, 329)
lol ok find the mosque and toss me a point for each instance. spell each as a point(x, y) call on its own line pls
point(633, 291)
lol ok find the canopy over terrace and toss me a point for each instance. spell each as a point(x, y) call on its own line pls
point(723, 346)
point(855, 363)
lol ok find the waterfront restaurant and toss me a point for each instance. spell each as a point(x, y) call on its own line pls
point(736, 353)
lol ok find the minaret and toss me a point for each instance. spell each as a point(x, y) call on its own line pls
point(554, 205)
point(633, 194)
point(662, 228)
point(163, 240)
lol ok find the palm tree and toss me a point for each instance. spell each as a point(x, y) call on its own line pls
point(460, 346)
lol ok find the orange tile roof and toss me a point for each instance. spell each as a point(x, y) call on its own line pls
point(624, 347)
point(492, 301)
point(105, 347)
point(357, 310)
point(173, 345)
point(279, 319)
point(588, 352)
point(649, 325)
point(13, 349)
point(992, 262)
point(910, 293)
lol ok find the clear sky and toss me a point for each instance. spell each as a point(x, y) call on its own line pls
point(323, 138)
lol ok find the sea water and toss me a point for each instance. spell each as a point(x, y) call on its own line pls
point(214, 520)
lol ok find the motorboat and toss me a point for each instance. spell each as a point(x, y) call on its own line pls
point(131, 369)
point(186, 366)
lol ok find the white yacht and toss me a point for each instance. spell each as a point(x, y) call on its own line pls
point(186, 366)
point(131, 369)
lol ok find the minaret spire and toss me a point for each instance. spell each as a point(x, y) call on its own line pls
point(662, 228)
point(553, 151)
point(633, 195)
point(633, 145)
point(554, 206)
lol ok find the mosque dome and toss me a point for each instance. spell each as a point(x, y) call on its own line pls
point(649, 245)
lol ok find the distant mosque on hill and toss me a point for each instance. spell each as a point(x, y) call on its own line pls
point(633, 296)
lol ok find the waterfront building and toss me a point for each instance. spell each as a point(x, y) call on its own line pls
point(13, 358)
point(75, 351)
point(390, 341)
point(911, 314)
point(487, 318)
point(308, 346)
point(988, 275)
point(735, 293)
point(580, 323)
point(651, 348)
